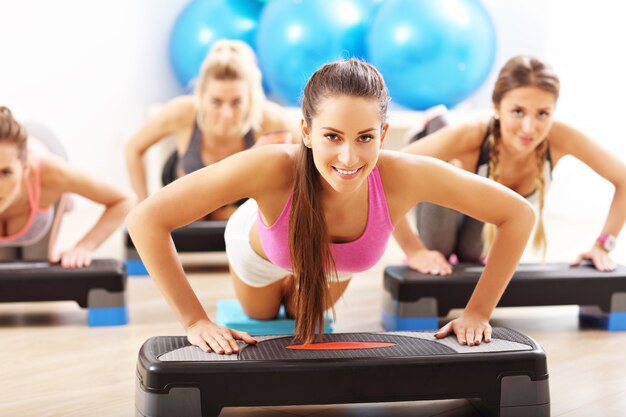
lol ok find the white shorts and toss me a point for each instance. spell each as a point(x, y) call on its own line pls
point(249, 266)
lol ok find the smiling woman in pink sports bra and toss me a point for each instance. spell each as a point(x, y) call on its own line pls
point(32, 181)
point(319, 212)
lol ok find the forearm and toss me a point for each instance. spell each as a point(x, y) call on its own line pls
point(158, 253)
point(617, 213)
point(107, 224)
point(407, 239)
point(137, 175)
point(508, 246)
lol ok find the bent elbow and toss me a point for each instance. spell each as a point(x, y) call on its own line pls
point(527, 214)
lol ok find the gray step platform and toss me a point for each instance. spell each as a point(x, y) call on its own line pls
point(415, 301)
point(508, 376)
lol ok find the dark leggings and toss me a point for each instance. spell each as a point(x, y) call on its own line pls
point(443, 229)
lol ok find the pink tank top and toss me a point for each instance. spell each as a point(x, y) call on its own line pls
point(39, 221)
point(355, 256)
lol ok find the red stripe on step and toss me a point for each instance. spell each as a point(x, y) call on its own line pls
point(341, 345)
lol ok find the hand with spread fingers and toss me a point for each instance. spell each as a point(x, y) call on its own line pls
point(211, 337)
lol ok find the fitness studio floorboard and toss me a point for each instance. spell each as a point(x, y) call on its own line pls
point(507, 377)
point(99, 287)
point(415, 301)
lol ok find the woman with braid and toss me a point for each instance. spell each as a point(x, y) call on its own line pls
point(227, 113)
point(518, 148)
point(319, 212)
point(35, 182)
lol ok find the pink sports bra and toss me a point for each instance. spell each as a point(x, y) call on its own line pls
point(355, 256)
point(39, 221)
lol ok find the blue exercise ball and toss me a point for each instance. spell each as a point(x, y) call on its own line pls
point(202, 23)
point(432, 52)
point(295, 37)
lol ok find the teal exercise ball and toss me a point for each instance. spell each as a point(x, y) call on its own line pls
point(432, 52)
point(203, 22)
point(296, 37)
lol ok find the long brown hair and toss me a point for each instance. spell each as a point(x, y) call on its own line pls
point(309, 244)
point(12, 132)
point(521, 71)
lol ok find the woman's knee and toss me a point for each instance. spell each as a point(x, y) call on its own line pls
point(259, 303)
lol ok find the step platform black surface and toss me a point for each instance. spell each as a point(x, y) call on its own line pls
point(99, 287)
point(507, 377)
point(200, 236)
point(415, 301)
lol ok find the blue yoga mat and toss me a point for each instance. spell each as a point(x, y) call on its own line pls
point(230, 314)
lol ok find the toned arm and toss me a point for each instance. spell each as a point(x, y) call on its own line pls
point(255, 173)
point(412, 179)
point(175, 115)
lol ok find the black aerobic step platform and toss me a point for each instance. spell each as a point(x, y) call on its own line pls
point(99, 287)
point(200, 236)
point(508, 375)
point(415, 301)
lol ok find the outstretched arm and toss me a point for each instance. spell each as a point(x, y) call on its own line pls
point(245, 174)
point(66, 178)
point(164, 123)
point(461, 141)
point(426, 179)
point(566, 140)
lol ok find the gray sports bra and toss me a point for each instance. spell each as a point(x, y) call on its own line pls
point(192, 159)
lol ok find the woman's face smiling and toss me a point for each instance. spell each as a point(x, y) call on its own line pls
point(525, 115)
point(346, 137)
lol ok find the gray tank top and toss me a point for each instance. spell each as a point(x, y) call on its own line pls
point(192, 159)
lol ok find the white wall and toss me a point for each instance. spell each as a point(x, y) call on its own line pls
point(92, 70)
point(87, 69)
point(584, 43)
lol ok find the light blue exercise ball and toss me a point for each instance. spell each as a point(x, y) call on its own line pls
point(295, 37)
point(201, 23)
point(432, 52)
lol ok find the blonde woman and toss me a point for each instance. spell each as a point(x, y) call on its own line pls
point(228, 113)
point(518, 148)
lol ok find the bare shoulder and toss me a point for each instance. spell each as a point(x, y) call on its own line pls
point(54, 172)
point(396, 168)
point(561, 135)
point(392, 162)
point(452, 141)
point(472, 133)
point(178, 113)
point(274, 165)
point(272, 110)
point(274, 117)
point(405, 177)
